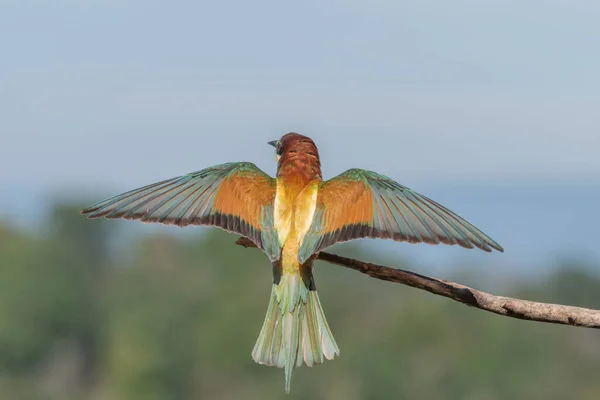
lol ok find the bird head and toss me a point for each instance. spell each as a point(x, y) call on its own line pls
point(294, 146)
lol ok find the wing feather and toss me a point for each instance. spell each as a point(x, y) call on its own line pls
point(236, 197)
point(360, 203)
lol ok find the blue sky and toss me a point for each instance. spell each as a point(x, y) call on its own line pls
point(109, 95)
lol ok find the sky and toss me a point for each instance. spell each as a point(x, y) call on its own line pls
point(109, 95)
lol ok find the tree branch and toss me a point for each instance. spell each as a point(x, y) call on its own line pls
point(507, 306)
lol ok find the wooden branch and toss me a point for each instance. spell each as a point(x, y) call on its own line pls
point(507, 306)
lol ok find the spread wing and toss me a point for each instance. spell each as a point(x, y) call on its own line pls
point(237, 197)
point(360, 203)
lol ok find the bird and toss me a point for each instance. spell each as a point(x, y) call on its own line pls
point(292, 217)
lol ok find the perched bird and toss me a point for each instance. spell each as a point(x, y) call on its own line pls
point(291, 218)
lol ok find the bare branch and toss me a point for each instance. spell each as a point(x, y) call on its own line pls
point(507, 306)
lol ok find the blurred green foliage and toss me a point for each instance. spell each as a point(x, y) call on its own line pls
point(177, 318)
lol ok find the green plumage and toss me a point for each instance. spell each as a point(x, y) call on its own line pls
point(295, 330)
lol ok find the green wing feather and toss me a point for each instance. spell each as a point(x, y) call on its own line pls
point(360, 203)
point(237, 197)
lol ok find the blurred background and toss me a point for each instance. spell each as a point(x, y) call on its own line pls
point(490, 108)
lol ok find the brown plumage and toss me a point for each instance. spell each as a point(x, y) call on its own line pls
point(349, 204)
point(244, 194)
point(299, 159)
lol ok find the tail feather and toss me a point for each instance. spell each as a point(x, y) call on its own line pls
point(295, 330)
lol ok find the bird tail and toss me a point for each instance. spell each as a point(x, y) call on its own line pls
point(295, 329)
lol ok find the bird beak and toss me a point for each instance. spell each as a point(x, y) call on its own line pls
point(273, 143)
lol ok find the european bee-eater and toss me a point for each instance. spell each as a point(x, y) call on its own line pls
point(291, 218)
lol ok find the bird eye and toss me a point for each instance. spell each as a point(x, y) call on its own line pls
point(279, 150)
